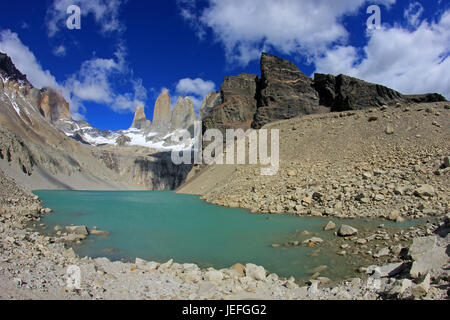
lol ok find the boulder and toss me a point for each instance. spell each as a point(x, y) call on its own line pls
point(382, 253)
point(427, 256)
point(421, 290)
point(239, 269)
point(257, 273)
point(330, 226)
point(214, 276)
point(389, 270)
point(425, 191)
point(434, 259)
point(78, 230)
point(346, 231)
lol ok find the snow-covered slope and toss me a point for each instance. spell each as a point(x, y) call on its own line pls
point(137, 137)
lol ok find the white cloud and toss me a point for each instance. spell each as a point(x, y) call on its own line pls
point(410, 61)
point(25, 61)
point(60, 51)
point(129, 102)
point(246, 28)
point(197, 86)
point(93, 82)
point(105, 13)
point(413, 13)
point(196, 89)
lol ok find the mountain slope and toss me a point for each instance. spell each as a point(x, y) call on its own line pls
point(367, 163)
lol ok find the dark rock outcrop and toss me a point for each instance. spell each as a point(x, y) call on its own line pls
point(342, 93)
point(425, 98)
point(284, 93)
point(9, 70)
point(238, 95)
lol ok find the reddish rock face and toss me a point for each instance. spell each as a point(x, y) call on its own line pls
point(162, 113)
point(53, 106)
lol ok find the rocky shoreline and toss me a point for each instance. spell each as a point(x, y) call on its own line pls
point(34, 266)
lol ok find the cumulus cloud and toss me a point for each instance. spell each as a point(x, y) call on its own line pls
point(105, 13)
point(196, 89)
point(25, 60)
point(410, 61)
point(246, 28)
point(93, 82)
point(129, 102)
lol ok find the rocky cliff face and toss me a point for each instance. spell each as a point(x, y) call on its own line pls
point(53, 106)
point(238, 96)
point(41, 147)
point(140, 120)
point(212, 100)
point(285, 92)
point(9, 70)
point(183, 115)
point(162, 113)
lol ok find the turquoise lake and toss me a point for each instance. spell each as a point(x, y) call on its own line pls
point(162, 225)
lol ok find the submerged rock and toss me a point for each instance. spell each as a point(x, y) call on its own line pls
point(346, 231)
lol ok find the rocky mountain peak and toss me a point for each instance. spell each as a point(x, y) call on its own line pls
point(140, 120)
point(162, 113)
point(9, 70)
point(183, 115)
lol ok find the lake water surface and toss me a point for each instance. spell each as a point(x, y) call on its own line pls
point(162, 225)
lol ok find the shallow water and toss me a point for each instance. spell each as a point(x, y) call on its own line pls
point(161, 225)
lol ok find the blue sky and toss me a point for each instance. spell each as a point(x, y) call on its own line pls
point(128, 51)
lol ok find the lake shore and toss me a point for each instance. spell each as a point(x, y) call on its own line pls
point(33, 266)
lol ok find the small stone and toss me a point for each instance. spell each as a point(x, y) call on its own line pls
point(446, 162)
point(330, 226)
point(394, 215)
point(214, 276)
point(389, 129)
point(383, 252)
point(421, 290)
